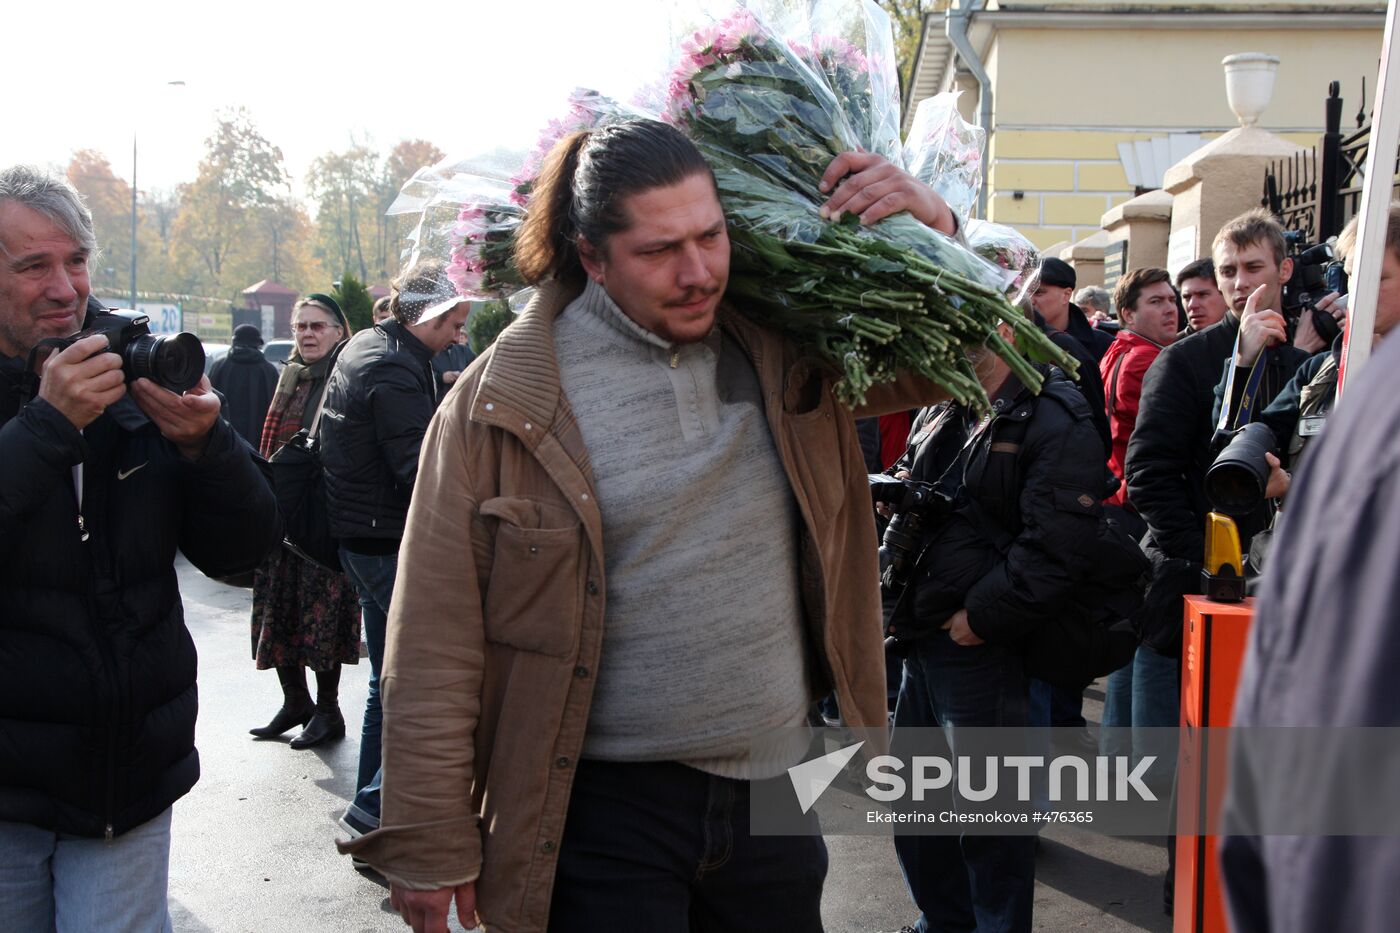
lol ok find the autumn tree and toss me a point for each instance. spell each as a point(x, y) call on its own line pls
point(344, 186)
point(108, 197)
point(352, 191)
point(241, 173)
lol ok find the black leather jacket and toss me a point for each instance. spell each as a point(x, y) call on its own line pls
point(1043, 490)
point(379, 400)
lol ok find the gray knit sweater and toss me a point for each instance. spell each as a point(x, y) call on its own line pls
point(703, 646)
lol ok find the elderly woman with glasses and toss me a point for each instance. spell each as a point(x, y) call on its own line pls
point(303, 615)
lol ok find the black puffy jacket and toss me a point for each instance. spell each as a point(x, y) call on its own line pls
point(246, 380)
point(379, 400)
point(98, 700)
point(1044, 491)
point(1170, 449)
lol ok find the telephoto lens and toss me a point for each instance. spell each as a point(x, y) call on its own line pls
point(173, 362)
point(1236, 481)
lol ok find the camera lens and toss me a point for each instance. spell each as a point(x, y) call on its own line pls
point(174, 362)
point(1236, 481)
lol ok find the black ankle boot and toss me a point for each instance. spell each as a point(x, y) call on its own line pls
point(297, 707)
point(326, 725)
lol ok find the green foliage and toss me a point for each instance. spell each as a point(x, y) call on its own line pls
point(355, 301)
point(487, 321)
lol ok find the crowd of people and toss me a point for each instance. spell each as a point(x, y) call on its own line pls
point(548, 554)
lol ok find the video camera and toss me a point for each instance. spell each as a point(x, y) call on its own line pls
point(174, 361)
point(918, 508)
point(1316, 272)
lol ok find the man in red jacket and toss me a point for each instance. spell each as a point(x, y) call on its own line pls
point(1146, 305)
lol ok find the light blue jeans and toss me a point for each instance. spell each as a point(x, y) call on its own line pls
point(55, 883)
point(1146, 696)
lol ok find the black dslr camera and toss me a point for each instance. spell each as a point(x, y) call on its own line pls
point(174, 362)
point(919, 508)
point(1316, 271)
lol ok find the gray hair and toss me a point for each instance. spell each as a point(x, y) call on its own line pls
point(54, 197)
point(1093, 295)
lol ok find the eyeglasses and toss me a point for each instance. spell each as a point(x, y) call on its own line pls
point(316, 327)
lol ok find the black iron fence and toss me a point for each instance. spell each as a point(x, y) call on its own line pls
point(1318, 190)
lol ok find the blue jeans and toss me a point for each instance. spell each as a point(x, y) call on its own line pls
point(373, 576)
point(1117, 711)
point(1055, 706)
point(1145, 694)
point(55, 883)
point(971, 882)
point(662, 846)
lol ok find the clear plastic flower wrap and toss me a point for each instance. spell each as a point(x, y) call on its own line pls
point(944, 151)
point(1006, 247)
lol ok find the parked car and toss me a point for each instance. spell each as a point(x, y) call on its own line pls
point(278, 351)
point(213, 352)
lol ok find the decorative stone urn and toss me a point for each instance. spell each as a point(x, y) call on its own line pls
point(1249, 84)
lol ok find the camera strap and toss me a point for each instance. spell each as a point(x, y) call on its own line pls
point(1232, 417)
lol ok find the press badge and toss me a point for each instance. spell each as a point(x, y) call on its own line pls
point(1311, 425)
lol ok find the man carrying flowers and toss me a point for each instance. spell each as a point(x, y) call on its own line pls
point(640, 539)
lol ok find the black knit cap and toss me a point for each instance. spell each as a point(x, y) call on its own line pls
point(331, 305)
point(247, 335)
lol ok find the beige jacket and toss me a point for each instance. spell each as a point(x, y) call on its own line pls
point(497, 617)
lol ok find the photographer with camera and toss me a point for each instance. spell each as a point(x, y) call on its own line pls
point(1297, 414)
point(1005, 536)
point(107, 473)
point(1170, 449)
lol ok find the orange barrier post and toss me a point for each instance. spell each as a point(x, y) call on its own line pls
point(1213, 643)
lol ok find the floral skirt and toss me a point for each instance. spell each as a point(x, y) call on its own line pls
point(303, 615)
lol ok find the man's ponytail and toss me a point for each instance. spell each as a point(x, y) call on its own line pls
point(546, 245)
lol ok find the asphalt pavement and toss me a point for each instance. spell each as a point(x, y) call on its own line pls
point(253, 844)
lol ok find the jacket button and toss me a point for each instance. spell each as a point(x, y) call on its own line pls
point(592, 588)
point(548, 845)
point(534, 549)
point(580, 671)
point(561, 762)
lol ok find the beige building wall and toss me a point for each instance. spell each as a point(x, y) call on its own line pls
point(1063, 99)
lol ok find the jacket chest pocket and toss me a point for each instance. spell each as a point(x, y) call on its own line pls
point(818, 456)
point(533, 597)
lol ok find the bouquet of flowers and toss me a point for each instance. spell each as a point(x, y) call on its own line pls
point(770, 109)
point(872, 300)
point(944, 151)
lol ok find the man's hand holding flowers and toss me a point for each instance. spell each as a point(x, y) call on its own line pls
point(870, 186)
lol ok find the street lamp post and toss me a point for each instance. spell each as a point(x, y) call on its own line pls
point(133, 204)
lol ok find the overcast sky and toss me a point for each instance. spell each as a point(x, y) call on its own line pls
point(468, 75)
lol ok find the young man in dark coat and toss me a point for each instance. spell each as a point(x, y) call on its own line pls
point(104, 481)
point(1035, 470)
point(379, 400)
point(247, 380)
point(1170, 449)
